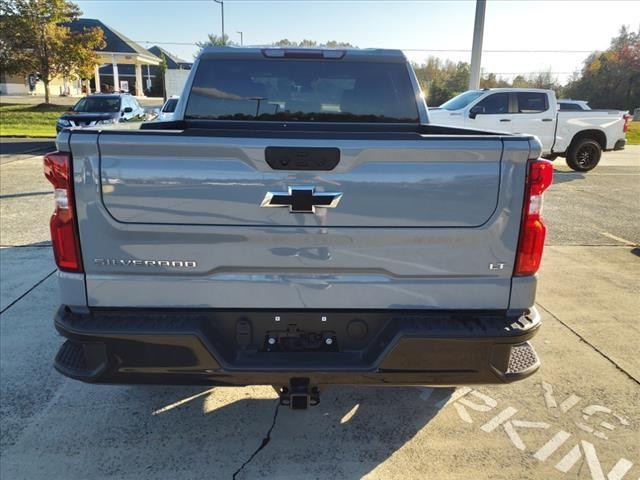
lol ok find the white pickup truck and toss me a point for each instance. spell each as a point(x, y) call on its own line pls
point(580, 136)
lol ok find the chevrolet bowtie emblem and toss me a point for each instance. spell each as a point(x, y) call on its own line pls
point(302, 199)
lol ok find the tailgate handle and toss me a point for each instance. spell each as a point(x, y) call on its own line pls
point(302, 158)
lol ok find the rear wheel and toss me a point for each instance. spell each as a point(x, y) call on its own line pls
point(584, 155)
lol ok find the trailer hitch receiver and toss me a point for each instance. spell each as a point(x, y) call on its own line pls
point(299, 394)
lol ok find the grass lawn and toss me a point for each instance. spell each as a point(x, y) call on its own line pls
point(29, 120)
point(633, 133)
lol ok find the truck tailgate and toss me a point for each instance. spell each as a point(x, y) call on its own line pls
point(175, 220)
point(222, 181)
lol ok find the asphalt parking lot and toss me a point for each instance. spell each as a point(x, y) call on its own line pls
point(579, 417)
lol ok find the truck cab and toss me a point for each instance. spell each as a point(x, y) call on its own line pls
point(503, 109)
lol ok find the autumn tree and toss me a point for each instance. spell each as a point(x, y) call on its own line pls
point(611, 79)
point(35, 37)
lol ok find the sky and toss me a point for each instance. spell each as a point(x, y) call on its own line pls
point(421, 28)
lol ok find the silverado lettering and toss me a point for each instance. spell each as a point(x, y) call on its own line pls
point(144, 263)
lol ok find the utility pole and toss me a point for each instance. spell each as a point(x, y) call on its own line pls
point(221, 2)
point(476, 49)
point(241, 42)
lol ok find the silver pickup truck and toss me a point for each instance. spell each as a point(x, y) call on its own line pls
point(299, 223)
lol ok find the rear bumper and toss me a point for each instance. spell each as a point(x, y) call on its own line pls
point(231, 347)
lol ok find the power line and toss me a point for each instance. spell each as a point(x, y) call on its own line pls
point(492, 51)
point(166, 43)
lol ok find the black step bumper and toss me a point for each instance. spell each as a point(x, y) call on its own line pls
point(231, 347)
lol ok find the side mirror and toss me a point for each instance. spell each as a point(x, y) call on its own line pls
point(70, 109)
point(473, 113)
point(127, 110)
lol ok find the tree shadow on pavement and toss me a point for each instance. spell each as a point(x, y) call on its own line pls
point(564, 177)
point(353, 430)
point(217, 433)
point(23, 146)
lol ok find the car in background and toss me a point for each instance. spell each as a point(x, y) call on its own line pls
point(565, 104)
point(166, 112)
point(151, 113)
point(101, 109)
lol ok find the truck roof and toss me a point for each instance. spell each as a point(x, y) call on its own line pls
point(265, 52)
point(514, 89)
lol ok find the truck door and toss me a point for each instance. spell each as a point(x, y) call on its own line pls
point(535, 116)
point(491, 113)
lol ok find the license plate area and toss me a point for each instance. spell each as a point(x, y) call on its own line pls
point(295, 339)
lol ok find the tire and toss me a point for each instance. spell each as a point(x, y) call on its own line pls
point(584, 155)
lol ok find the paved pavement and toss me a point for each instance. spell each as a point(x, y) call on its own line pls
point(14, 149)
point(579, 417)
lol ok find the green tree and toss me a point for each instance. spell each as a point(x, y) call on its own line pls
point(285, 42)
point(335, 44)
point(544, 79)
point(520, 81)
point(162, 73)
point(491, 80)
point(35, 38)
point(442, 80)
point(611, 79)
point(214, 40)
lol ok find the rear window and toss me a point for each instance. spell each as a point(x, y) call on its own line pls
point(303, 91)
point(532, 102)
point(569, 106)
point(495, 103)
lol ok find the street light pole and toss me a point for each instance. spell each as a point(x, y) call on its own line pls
point(476, 49)
point(241, 42)
point(221, 2)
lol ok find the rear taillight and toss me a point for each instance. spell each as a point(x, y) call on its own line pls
point(64, 231)
point(532, 232)
point(627, 119)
